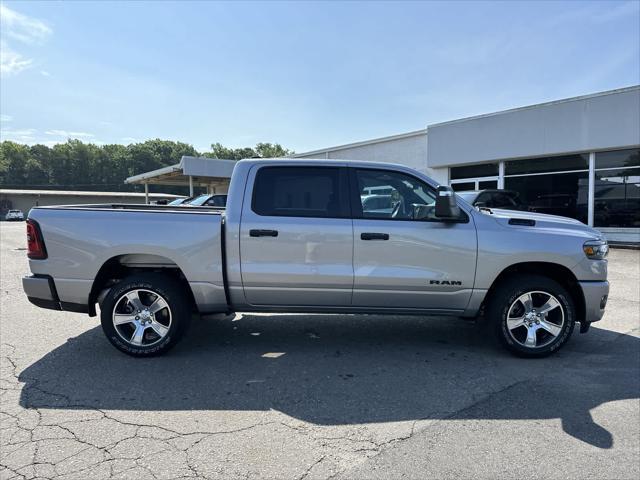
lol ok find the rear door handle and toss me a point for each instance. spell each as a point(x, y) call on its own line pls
point(374, 236)
point(263, 233)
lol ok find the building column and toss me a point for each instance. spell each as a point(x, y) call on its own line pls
point(501, 175)
point(592, 192)
point(190, 186)
point(146, 193)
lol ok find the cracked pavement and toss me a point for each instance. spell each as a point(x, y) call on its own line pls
point(315, 396)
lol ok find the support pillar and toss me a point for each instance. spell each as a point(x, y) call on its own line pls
point(592, 185)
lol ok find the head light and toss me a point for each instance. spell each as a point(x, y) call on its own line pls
point(596, 249)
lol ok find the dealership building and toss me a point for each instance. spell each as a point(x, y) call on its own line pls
point(577, 157)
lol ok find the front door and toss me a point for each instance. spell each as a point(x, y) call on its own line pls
point(403, 256)
point(296, 237)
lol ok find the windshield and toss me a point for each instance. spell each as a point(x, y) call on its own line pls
point(178, 201)
point(199, 201)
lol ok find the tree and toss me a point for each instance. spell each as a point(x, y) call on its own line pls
point(261, 150)
point(272, 150)
point(76, 165)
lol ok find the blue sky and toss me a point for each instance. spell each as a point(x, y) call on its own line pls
point(306, 75)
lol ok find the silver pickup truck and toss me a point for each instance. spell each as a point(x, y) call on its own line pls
point(298, 236)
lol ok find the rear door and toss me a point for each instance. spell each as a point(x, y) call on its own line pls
point(296, 236)
point(403, 256)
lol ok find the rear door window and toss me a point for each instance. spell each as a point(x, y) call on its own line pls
point(301, 192)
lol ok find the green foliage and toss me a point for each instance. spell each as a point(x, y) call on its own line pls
point(261, 150)
point(75, 165)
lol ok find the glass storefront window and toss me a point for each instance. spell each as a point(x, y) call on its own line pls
point(548, 164)
point(560, 185)
point(618, 158)
point(471, 171)
point(565, 194)
point(483, 185)
point(617, 198)
point(463, 187)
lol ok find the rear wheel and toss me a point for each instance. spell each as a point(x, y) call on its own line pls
point(531, 315)
point(145, 314)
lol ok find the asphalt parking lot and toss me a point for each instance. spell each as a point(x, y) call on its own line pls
point(315, 396)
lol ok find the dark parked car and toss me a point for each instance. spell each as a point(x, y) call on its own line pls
point(506, 199)
point(561, 204)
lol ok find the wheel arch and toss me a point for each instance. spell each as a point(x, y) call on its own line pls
point(554, 271)
point(121, 266)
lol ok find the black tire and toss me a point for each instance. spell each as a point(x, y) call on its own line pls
point(506, 297)
point(175, 320)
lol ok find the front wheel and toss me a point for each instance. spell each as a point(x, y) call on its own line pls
point(531, 315)
point(145, 314)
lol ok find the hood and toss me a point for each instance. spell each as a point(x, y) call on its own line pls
point(520, 219)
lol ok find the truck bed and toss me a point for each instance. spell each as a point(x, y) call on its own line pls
point(136, 207)
point(161, 236)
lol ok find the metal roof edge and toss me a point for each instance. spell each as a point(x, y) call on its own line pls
point(398, 136)
point(538, 105)
point(153, 173)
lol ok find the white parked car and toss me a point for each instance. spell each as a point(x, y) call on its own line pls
point(16, 215)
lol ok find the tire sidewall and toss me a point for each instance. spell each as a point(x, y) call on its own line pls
point(511, 294)
point(162, 287)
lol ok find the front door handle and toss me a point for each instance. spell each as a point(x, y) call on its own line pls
point(374, 236)
point(263, 233)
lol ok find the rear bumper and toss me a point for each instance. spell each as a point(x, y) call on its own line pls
point(595, 299)
point(41, 291)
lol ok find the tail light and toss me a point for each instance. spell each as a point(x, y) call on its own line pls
point(35, 243)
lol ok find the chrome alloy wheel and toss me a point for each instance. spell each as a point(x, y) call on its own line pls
point(141, 317)
point(535, 319)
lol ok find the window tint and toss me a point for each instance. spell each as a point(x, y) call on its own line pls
point(618, 158)
point(617, 198)
point(463, 187)
point(483, 185)
point(470, 171)
point(217, 201)
point(549, 164)
point(299, 192)
point(407, 199)
point(564, 194)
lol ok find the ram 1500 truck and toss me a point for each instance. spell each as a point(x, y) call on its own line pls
point(298, 236)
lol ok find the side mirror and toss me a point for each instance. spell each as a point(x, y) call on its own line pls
point(446, 204)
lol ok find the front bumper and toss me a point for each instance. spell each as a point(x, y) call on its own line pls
point(595, 299)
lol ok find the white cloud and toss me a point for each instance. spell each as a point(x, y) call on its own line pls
point(44, 73)
point(24, 135)
point(68, 134)
point(5, 118)
point(129, 140)
point(12, 62)
point(31, 136)
point(21, 27)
